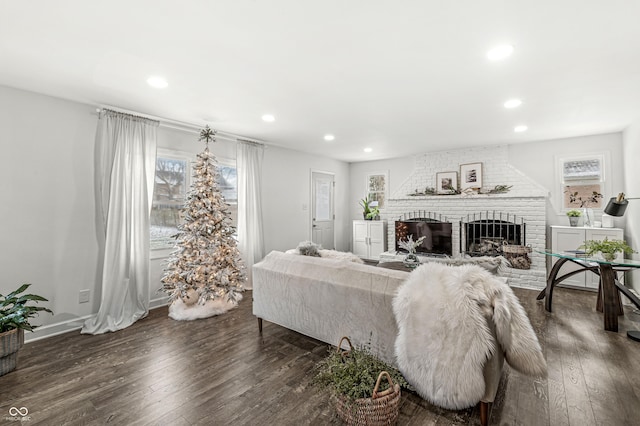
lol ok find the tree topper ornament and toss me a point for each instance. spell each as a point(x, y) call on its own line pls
point(207, 135)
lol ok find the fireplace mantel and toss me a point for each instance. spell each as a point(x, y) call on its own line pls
point(482, 197)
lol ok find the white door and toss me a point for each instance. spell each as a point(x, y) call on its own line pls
point(322, 216)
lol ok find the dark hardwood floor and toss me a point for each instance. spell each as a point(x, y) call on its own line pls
point(220, 371)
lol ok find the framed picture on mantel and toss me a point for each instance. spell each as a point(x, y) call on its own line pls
point(471, 176)
point(446, 182)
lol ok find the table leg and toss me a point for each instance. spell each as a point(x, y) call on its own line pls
point(599, 303)
point(551, 282)
point(609, 299)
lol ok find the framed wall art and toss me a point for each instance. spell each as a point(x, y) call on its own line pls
point(447, 182)
point(471, 176)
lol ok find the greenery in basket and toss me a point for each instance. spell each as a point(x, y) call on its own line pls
point(15, 310)
point(574, 213)
point(354, 375)
point(607, 247)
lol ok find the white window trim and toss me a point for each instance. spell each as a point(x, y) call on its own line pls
point(605, 182)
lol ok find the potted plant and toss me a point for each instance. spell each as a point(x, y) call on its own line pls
point(370, 209)
point(607, 248)
point(356, 381)
point(574, 217)
point(15, 311)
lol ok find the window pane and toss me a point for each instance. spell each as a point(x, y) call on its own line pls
point(323, 200)
point(228, 185)
point(168, 199)
point(582, 169)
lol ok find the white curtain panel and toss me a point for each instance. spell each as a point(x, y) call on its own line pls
point(250, 233)
point(125, 172)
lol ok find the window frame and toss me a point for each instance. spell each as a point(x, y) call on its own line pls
point(369, 191)
point(564, 182)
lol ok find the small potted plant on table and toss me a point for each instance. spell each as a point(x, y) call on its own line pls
point(609, 249)
point(14, 319)
point(574, 217)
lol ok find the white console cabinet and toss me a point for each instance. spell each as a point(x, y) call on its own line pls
point(565, 238)
point(369, 238)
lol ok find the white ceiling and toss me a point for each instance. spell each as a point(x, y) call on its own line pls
point(400, 77)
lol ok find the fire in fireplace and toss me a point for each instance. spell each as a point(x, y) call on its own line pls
point(485, 233)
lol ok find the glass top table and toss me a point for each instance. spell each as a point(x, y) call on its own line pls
point(581, 257)
point(610, 288)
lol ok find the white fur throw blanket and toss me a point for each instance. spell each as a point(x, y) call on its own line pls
point(444, 336)
point(332, 254)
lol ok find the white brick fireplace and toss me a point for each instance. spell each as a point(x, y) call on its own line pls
point(526, 200)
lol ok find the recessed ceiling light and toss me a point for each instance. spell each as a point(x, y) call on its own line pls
point(368, 149)
point(498, 53)
point(329, 137)
point(520, 129)
point(512, 103)
point(268, 118)
point(157, 82)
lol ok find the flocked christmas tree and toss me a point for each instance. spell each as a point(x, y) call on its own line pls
point(205, 273)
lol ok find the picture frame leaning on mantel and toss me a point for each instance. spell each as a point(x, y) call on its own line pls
point(447, 182)
point(471, 176)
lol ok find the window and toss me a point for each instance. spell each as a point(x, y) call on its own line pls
point(171, 182)
point(583, 180)
point(377, 187)
point(173, 173)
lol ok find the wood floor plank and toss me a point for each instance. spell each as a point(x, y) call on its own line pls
point(221, 371)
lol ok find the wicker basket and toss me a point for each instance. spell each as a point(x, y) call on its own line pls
point(381, 409)
point(10, 342)
point(517, 255)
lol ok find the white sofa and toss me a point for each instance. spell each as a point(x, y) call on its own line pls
point(327, 299)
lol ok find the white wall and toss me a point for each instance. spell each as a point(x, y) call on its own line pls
point(47, 208)
point(538, 161)
point(287, 191)
point(631, 146)
point(399, 170)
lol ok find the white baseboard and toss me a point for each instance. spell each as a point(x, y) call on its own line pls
point(74, 324)
point(55, 329)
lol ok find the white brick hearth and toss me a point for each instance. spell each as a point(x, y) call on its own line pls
point(526, 200)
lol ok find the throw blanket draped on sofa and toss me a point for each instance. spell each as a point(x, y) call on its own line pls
point(444, 338)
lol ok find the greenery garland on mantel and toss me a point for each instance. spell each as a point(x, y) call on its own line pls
point(429, 191)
